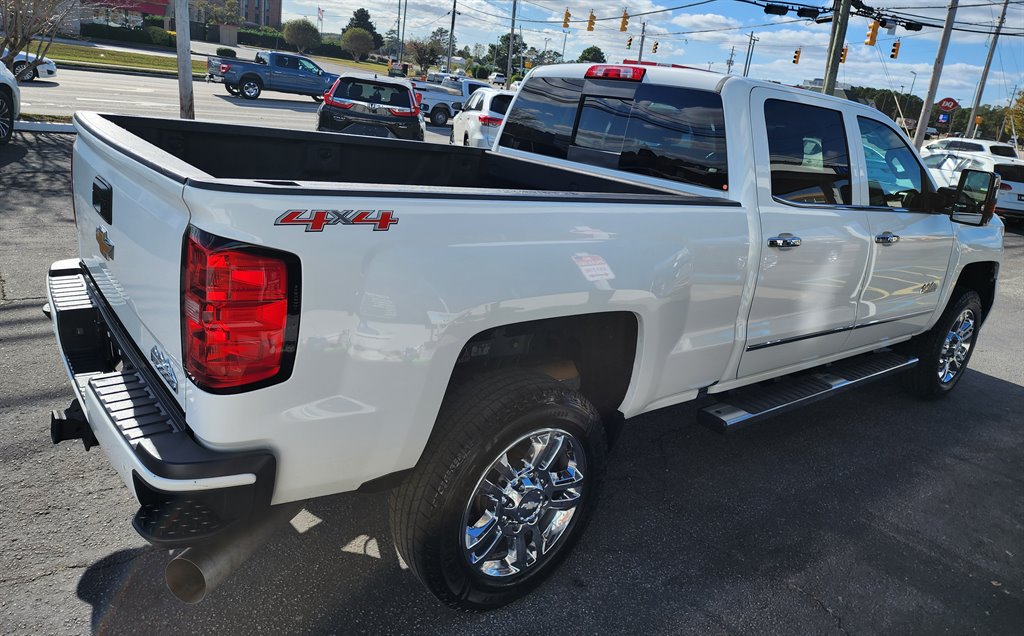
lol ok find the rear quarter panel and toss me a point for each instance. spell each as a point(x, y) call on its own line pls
point(385, 314)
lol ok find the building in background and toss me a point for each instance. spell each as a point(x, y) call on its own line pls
point(261, 12)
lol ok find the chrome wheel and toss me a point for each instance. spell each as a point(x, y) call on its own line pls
point(20, 72)
point(957, 346)
point(524, 502)
point(250, 89)
point(6, 118)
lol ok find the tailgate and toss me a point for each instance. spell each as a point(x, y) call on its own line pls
point(131, 221)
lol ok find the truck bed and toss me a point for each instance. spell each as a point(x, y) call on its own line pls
point(269, 157)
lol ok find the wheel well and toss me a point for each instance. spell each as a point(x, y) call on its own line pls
point(251, 76)
point(593, 351)
point(443, 107)
point(981, 277)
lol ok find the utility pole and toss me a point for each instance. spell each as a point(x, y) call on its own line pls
point(643, 35)
point(750, 53)
point(969, 133)
point(451, 37)
point(835, 48)
point(511, 42)
point(186, 103)
point(728, 63)
point(933, 85)
point(405, 16)
point(522, 55)
point(565, 36)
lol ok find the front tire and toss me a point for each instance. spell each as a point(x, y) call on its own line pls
point(503, 489)
point(21, 73)
point(946, 349)
point(6, 117)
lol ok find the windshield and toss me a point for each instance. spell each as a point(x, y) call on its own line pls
point(368, 91)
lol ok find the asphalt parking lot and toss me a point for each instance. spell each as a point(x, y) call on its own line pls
point(870, 513)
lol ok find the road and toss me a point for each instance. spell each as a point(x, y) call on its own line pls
point(158, 97)
point(869, 513)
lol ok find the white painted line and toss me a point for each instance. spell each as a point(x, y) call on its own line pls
point(38, 126)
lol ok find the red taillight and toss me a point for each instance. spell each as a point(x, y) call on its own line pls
point(601, 71)
point(236, 312)
point(331, 100)
point(487, 120)
point(224, 68)
point(405, 112)
point(1005, 186)
point(419, 98)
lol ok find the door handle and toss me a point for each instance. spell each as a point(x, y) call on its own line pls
point(784, 240)
point(887, 238)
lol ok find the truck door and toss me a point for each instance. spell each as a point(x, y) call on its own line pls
point(814, 243)
point(911, 245)
point(284, 73)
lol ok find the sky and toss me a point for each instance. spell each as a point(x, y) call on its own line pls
point(727, 24)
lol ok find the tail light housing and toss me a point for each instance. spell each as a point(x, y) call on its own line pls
point(487, 120)
point(608, 71)
point(1005, 186)
point(405, 112)
point(331, 100)
point(240, 313)
point(224, 68)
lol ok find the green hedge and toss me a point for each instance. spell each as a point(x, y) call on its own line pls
point(149, 35)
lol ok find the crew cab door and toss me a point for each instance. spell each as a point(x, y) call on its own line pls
point(284, 73)
point(814, 243)
point(911, 246)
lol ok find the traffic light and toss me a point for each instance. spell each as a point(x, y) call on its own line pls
point(796, 56)
point(872, 33)
point(629, 42)
point(565, 20)
point(654, 49)
point(625, 21)
point(842, 56)
point(895, 52)
point(590, 22)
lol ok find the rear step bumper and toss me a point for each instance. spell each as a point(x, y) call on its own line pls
point(749, 405)
point(187, 493)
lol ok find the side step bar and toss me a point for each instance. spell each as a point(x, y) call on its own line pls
point(749, 405)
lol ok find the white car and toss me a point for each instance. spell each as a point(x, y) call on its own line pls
point(46, 69)
point(971, 146)
point(10, 103)
point(496, 78)
point(478, 123)
point(946, 168)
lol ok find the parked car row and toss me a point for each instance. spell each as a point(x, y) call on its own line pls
point(947, 158)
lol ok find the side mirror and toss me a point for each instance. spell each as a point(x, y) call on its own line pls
point(974, 200)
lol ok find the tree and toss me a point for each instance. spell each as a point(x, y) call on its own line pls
point(301, 34)
point(29, 25)
point(425, 52)
point(361, 20)
point(592, 54)
point(440, 35)
point(498, 54)
point(214, 12)
point(391, 42)
point(357, 41)
point(1016, 114)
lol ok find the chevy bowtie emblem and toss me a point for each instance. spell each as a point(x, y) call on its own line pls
point(103, 240)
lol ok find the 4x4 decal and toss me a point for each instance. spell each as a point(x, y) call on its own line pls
point(317, 220)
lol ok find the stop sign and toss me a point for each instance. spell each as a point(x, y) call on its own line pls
point(948, 103)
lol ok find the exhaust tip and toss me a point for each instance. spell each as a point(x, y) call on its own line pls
point(185, 580)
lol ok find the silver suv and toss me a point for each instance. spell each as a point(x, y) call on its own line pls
point(10, 103)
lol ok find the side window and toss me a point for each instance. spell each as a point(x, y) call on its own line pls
point(810, 159)
point(542, 121)
point(308, 66)
point(895, 176)
point(285, 61)
point(474, 102)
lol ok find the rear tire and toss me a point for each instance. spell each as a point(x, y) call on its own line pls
point(317, 98)
point(250, 87)
point(946, 349)
point(439, 116)
point(481, 520)
point(232, 89)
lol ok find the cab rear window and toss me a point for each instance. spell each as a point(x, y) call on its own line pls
point(1003, 151)
point(660, 131)
point(371, 92)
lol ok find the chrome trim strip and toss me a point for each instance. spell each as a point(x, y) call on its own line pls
point(782, 341)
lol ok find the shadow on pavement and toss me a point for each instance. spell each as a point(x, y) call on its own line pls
point(41, 83)
point(270, 103)
point(840, 523)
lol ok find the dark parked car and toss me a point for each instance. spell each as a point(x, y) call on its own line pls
point(372, 106)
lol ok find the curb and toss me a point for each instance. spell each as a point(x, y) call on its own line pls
point(46, 127)
point(121, 70)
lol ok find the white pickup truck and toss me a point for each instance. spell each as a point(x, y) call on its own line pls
point(441, 102)
point(255, 318)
